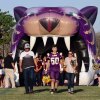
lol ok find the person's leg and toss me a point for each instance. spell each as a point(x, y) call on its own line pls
point(11, 76)
point(61, 79)
point(69, 81)
point(34, 81)
point(52, 85)
point(52, 81)
point(57, 80)
point(65, 78)
point(72, 82)
point(26, 78)
point(6, 78)
point(99, 80)
point(31, 78)
point(41, 74)
point(21, 79)
point(2, 80)
point(39, 78)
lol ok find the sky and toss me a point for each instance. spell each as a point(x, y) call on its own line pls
point(8, 5)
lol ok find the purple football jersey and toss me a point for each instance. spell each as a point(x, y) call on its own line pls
point(54, 61)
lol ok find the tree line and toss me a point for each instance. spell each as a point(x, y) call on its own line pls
point(6, 23)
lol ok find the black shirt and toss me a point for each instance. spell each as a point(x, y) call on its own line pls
point(7, 62)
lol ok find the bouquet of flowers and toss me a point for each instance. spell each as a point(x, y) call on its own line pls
point(73, 63)
point(96, 66)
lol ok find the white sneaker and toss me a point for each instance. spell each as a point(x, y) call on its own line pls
point(52, 91)
point(6, 87)
point(98, 85)
point(13, 87)
point(69, 90)
point(72, 89)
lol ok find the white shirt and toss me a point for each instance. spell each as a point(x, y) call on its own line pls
point(26, 54)
point(69, 68)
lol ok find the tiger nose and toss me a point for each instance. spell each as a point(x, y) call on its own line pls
point(49, 23)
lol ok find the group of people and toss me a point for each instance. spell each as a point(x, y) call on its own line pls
point(52, 70)
point(49, 69)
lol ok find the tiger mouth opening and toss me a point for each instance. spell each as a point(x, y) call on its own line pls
point(64, 44)
point(43, 45)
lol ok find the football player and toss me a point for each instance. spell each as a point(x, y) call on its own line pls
point(54, 62)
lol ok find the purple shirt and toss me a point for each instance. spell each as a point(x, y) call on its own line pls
point(54, 61)
point(98, 61)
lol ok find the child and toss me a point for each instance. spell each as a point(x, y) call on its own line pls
point(46, 78)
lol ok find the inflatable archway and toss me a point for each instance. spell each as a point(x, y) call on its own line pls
point(68, 27)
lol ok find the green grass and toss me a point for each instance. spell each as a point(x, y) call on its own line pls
point(42, 93)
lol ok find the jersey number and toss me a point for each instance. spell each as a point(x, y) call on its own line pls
point(55, 61)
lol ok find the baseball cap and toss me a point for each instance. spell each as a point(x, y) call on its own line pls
point(26, 46)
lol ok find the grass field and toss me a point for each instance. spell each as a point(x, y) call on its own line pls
point(42, 93)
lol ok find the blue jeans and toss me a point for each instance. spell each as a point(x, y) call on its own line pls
point(37, 78)
point(28, 79)
point(70, 77)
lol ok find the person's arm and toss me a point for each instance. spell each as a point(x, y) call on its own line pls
point(36, 65)
point(13, 66)
point(65, 65)
point(35, 62)
point(40, 68)
point(43, 64)
point(48, 64)
point(12, 63)
point(20, 65)
point(34, 59)
point(35, 70)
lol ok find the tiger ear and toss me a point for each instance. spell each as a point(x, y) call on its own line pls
point(90, 13)
point(19, 12)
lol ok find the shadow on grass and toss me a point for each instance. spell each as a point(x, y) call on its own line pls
point(62, 90)
point(41, 90)
point(65, 90)
point(78, 90)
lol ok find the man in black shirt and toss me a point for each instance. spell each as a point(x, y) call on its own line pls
point(9, 70)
